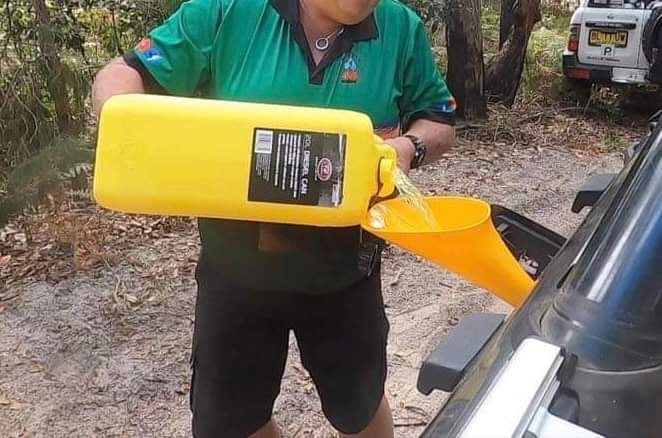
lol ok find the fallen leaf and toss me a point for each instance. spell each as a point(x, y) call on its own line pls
point(131, 298)
point(11, 404)
point(4, 260)
point(417, 410)
point(26, 271)
point(396, 280)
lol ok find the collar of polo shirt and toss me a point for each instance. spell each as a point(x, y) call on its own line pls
point(365, 30)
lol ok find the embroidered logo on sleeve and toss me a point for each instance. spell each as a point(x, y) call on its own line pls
point(151, 54)
point(144, 45)
point(447, 107)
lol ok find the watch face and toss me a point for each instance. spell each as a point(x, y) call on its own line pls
point(419, 153)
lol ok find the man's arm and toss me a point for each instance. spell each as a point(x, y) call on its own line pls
point(438, 139)
point(173, 59)
point(117, 77)
point(426, 104)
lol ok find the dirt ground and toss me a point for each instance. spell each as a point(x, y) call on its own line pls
point(104, 352)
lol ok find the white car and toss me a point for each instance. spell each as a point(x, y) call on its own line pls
point(613, 41)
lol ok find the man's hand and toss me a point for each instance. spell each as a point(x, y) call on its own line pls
point(437, 137)
point(405, 149)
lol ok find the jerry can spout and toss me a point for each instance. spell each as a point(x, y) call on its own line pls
point(388, 164)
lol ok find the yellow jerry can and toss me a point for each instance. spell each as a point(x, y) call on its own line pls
point(179, 156)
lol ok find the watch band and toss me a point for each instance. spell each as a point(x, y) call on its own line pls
point(419, 151)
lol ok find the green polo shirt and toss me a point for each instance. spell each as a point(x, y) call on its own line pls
point(256, 51)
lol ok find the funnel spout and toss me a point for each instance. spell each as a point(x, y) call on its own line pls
point(465, 243)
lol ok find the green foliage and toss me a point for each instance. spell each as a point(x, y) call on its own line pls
point(55, 173)
point(85, 34)
point(542, 67)
point(490, 25)
point(80, 36)
point(614, 141)
point(116, 25)
point(432, 12)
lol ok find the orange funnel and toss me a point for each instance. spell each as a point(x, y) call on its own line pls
point(464, 241)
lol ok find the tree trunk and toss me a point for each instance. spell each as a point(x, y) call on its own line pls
point(465, 58)
point(504, 71)
point(57, 86)
point(506, 21)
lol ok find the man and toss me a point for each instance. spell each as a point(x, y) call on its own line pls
point(256, 281)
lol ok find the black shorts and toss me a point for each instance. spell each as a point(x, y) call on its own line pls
point(240, 346)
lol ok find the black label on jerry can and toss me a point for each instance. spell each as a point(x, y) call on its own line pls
point(296, 167)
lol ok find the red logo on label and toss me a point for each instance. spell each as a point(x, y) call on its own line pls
point(144, 45)
point(324, 169)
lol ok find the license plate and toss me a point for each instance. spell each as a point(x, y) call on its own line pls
point(602, 38)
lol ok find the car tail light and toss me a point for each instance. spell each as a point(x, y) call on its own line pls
point(573, 40)
point(579, 73)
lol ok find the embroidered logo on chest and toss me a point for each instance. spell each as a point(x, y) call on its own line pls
point(350, 70)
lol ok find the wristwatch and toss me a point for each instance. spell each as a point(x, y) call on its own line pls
point(419, 152)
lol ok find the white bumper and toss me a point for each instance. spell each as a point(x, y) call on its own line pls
point(628, 76)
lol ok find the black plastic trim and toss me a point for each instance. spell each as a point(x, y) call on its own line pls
point(527, 240)
point(592, 190)
point(446, 365)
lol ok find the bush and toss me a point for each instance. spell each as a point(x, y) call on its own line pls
point(83, 35)
point(543, 73)
point(56, 174)
point(50, 54)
